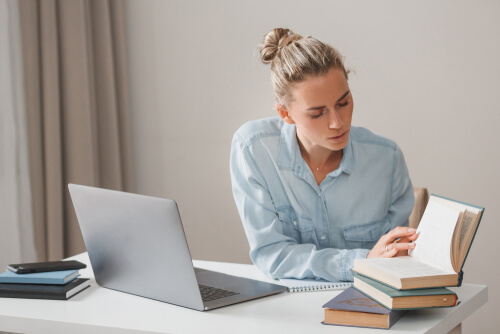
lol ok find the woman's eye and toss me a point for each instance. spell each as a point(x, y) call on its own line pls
point(343, 104)
point(318, 115)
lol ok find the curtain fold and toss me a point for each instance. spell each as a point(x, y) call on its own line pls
point(16, 234)
point(77, 108)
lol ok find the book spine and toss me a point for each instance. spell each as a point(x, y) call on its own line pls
point(31, 295)
point(460, 278)
point(32, 281)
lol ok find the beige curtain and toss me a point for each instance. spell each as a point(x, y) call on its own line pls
point(77, 109)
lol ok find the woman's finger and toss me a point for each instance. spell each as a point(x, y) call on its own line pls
point(399, 247)
point(399, 235)
point(390, 253)
point(414, 236)
point(400, 232)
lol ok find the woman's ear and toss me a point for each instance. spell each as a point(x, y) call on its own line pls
point(283, 112)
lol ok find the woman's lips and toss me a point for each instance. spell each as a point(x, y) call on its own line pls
point(338, 138)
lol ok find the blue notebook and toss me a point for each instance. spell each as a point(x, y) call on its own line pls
point(50, 277)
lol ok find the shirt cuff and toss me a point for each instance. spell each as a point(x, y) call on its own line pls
point(348, 262)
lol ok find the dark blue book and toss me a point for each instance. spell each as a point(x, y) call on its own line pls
point(352, 308)
point(50, 277)
point(44, 291)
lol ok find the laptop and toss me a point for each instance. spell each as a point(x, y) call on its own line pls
point(136, 244)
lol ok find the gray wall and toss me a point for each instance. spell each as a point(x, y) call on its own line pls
point(425, 74)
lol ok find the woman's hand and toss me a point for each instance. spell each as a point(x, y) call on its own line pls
point(395, 243)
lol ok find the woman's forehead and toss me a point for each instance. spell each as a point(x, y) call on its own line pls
point(331, 86)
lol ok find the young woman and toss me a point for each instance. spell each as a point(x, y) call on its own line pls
point(315, 193)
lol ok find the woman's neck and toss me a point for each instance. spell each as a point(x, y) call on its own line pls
point(320, 159)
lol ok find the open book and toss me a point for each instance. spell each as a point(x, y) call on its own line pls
point(446, 232)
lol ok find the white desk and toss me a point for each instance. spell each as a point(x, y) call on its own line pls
point(99, 310)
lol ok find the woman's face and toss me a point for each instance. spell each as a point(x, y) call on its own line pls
point(321, 109)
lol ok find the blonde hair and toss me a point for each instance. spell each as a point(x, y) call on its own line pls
point(293, 58)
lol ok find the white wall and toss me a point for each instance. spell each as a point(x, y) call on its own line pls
point(426, 74)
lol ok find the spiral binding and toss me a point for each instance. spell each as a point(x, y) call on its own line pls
point(326, 286)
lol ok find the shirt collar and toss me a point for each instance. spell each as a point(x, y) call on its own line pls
point(289, 157)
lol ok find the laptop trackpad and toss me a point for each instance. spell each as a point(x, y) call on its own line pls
point(217, 280)
point(241, 285)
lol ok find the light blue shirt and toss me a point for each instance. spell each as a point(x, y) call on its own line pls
point(298, 229)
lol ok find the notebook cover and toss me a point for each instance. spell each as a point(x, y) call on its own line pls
point(43, 291)
point(50, 277)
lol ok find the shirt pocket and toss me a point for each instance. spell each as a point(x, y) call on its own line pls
point(296, 226)
point(366, 235)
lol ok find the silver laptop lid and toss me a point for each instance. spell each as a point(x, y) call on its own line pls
point(136, 244)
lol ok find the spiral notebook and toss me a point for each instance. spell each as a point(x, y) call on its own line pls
point(306, 285)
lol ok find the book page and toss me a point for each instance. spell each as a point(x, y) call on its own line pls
point(469, 219)
point(435, 235)
point(407, 267)
point(469, 224)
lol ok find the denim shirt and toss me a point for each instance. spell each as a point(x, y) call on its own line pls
point(298, 229)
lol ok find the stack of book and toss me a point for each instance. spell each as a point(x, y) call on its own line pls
point(59, 284)
point(418, 280)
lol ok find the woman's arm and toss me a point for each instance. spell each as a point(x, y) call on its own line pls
point(280, 256)
point(271, 250)
point(400, 238)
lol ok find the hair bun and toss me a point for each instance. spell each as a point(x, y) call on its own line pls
point(274, 41)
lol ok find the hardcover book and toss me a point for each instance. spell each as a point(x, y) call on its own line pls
point(50, 277)
point(446, 232)
point(404, 299)
point(352, 308)
point(44, 291)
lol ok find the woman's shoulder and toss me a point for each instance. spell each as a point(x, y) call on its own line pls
point(253, 130)
point(362, 135)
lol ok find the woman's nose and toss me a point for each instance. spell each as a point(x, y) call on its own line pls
point(335, 121)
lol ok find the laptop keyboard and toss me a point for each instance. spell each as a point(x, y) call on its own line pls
point(209, 293)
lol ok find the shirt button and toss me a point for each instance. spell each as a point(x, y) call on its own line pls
point(295, 223)
point(323, 237)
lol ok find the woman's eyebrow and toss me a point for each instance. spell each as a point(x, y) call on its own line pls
point(343, 96)
point(316, 108)
point(321, 107)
